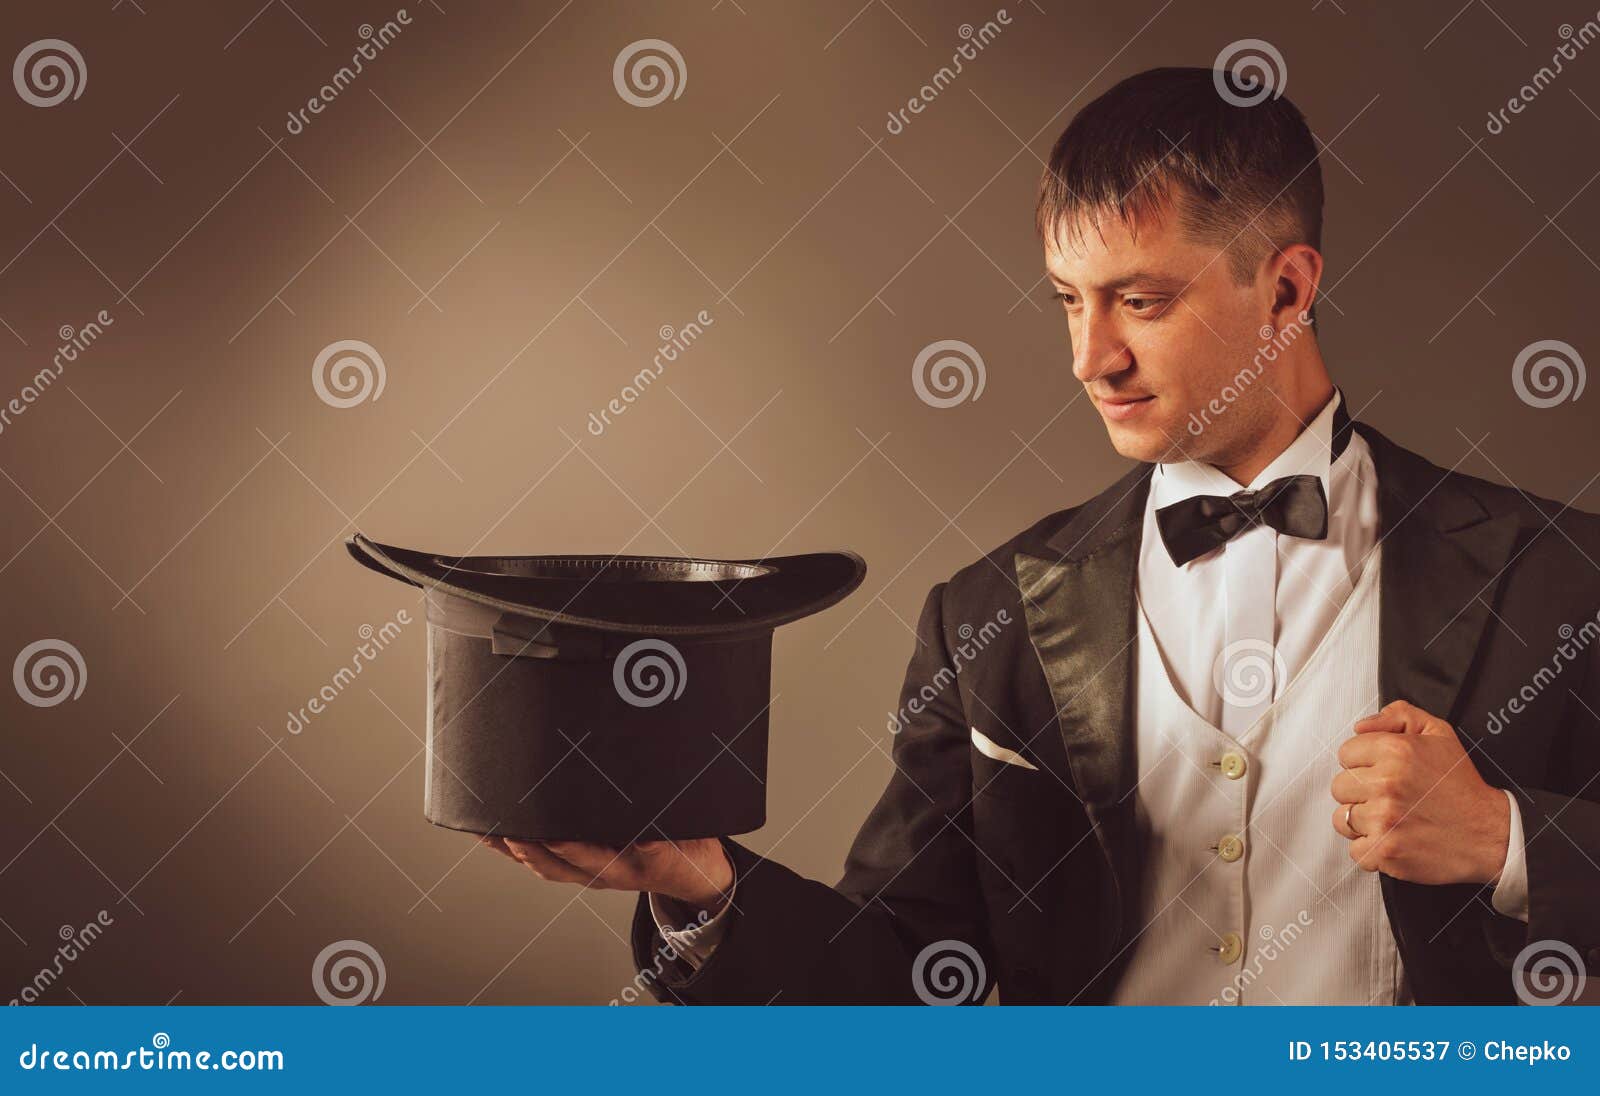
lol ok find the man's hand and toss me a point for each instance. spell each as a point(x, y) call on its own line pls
point(696, 873)
point(1420, 810)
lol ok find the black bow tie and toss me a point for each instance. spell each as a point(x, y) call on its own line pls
point(1295, 505)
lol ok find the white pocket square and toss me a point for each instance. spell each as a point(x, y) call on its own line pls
point(989, 748)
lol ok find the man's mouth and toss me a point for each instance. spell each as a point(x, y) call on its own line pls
point(1121, 408)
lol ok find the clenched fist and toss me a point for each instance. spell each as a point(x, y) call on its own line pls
point(1413, 805)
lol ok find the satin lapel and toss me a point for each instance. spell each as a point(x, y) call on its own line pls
point(1443, 555)
point(1079, 604)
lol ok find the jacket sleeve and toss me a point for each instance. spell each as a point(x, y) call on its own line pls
point(1561, 834)
point(910, 882)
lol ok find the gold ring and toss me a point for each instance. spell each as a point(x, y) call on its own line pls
point(1347, 824)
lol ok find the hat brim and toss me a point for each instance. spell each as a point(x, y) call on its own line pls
point(643, 595)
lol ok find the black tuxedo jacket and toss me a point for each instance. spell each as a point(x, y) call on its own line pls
point(1040, 872)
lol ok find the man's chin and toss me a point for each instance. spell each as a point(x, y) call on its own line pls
point(1142, 443)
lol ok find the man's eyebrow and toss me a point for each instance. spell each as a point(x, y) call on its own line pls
point(1160, 283)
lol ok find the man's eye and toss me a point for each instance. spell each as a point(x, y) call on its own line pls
point(1065, 298)
point(1145, 305)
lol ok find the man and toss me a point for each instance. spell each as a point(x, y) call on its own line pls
point(1123, 797)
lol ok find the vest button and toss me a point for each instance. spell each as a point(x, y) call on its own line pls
point(1229, 948)
point(1233, 765)
point(1230, 848)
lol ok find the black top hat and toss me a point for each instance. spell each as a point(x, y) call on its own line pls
point(603, 698)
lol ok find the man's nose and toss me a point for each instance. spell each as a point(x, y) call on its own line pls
point(1099, 350)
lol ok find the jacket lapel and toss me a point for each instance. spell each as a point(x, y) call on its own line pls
point(1078, 598)
point(1443, 555)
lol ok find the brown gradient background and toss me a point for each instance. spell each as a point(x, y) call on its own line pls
point(229, 852)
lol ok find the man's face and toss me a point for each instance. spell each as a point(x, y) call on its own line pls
point(1160, 331)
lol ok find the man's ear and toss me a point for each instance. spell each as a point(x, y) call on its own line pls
point(1296, 275)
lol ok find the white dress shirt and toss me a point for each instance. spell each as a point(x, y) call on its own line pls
point(1269, 597)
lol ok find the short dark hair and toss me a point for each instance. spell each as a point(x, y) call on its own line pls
point(1245, 178)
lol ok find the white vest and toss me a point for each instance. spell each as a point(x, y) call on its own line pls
point(1250, 896)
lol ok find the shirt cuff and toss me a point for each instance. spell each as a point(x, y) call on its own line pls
point(1511, 891)
point(698, 937)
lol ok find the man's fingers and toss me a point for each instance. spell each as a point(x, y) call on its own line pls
point(1349, 787)
point(1387, 720)
point(498, 844)
point(600, 862)
point(546, 864)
